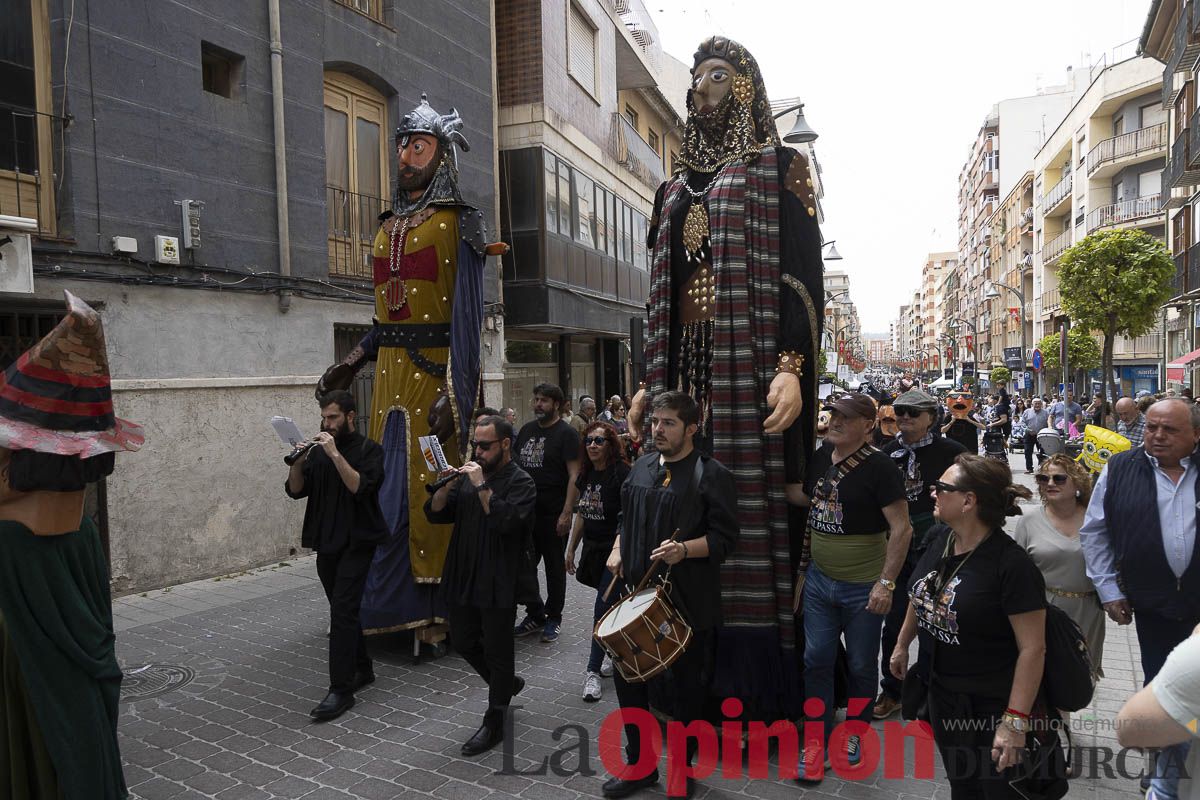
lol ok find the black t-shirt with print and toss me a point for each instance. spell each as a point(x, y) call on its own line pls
point(600, 501)
point(976, 650)
point(853, 505)
point(544, 453)
point(932, 461)
point(966, 434)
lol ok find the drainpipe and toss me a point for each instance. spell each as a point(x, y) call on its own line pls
point(281, 192)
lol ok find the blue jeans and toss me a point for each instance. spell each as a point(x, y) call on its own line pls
point(596, 658)
point(833, 609)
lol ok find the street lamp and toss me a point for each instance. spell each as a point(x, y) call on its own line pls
point(800, 133)
point(834, 255)
point(992, 294)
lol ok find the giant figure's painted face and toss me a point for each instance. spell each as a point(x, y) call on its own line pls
point(416, 157)
point(886, 417)
point(711, 83)
point(960, 404)
point(1099, 445)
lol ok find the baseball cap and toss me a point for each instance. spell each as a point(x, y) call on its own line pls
point(853, 405)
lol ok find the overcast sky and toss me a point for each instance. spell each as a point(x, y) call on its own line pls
point(897, 93)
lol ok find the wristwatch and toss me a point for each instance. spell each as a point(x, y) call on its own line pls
point(889, 585)
point(1018, 724)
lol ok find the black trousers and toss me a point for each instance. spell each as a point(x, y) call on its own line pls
point(344, 575)
point(484, 637)
point(548, 548)
point(963, 729)
point(1157, 637)
point(1031, 444)
point(888, 685)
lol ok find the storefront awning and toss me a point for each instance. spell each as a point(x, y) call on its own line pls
point(1177, 366)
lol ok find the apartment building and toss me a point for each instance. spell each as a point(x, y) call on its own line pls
point(932, 277)
point(1172, 36)
point(983, 181)
point(1011, 275)
point(1101, 169)
point(590, 113)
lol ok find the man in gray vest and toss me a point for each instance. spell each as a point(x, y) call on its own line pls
point(1139, 541)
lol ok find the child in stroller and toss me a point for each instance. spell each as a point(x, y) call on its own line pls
point(994, 445)
point(1016, 442)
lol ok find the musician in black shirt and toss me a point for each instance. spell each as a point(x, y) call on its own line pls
point(661, 494)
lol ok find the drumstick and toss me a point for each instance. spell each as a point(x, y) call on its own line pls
point(611, 586)
point(653, 565)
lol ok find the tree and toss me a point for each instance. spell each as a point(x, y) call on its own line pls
point(1083, 351)
point(822, 361)
point(1001, 376)
point(1115, 282)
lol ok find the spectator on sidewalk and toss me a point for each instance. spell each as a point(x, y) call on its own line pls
point(922, 457)
point(1065, 413)
point(1139, 534)
point(510, 416)
point(1165, 712)
point(587, 413)
point(343, 522)
point(858, 535)
point(1131, 421)
point(492, 508)
point(1034, 418)
point(548, 449)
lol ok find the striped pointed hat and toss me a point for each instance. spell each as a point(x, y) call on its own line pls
point(57, 398)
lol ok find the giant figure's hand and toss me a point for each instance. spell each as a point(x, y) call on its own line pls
point(633, 418)
point(786, 400)
point(441, 418)
point(339, 376)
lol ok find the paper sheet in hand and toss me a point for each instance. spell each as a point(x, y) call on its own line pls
point(435, 457)
point(289, 434)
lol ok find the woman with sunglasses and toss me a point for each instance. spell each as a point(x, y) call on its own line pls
point(978, 602)
point(604, 470)
point(1050, 535)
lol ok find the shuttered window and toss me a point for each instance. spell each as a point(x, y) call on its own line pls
point(581, 49)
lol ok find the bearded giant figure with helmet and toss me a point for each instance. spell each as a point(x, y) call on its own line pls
point(735, 309)
point(428, 263)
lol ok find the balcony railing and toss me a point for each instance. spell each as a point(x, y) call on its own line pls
point(28, 140)
point(1176, 173)
point(1059, 192)
point(1193, 267)
point(1185, 45)
point(352, 220)
point(1056, 247)
point(1148, 345)
point(1193, 136)
point(1180, 285)
point(1051, 301)
point(1125, 212)
point(1127, 145)
point(632, 152)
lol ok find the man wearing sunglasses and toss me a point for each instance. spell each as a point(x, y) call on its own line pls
point(922, 456)
point(492, 508)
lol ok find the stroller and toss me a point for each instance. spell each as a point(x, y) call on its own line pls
point(1016, 442)
point(994, 445)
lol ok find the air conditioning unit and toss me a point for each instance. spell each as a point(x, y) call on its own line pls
point(16, 254)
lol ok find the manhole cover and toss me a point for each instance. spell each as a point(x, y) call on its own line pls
point(155, 680)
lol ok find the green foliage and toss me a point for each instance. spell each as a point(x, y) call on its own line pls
point(1115, 281)
point(1001, 375)
point(822, 361)
point(1083, 351)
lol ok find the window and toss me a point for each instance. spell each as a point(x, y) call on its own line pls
point(355, 172)
point(1118, 191)
point(581, 49)
point(652, 139)
point(674, 159)
point(600, 218)
point(371, 8)
point(564, 199)
point(1150, 183)
point(639, 242)
point(551, 180)
point(1118, 126)
point(585, 191)
point(1152, 114)
point(221, 71)
point(631, 115)
point(27, 123)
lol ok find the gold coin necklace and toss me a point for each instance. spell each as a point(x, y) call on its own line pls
point(695, 224)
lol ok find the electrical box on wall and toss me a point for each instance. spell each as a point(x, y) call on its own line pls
point(190, 212)
point(16, 255)
point(166, 249)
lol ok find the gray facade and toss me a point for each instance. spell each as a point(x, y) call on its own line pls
point(203, 353)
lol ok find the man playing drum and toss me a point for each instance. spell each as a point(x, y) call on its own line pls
point(675, 488)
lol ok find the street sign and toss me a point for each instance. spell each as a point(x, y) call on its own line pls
point(948, 373)
point(1037, 360)
point(968, 368)
point(1012, 358)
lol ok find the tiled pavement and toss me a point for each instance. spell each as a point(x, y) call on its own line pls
point(253, 649)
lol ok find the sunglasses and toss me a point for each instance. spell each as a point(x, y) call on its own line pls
point(595, 440)
point(941, 487)
point(1058, 478)
point(484, 446)
point(907, 411)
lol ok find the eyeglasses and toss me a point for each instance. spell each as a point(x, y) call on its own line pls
point(1058, 478)
point(907, 411)
point(484, 446)
point(941, 487)
point(595, 440)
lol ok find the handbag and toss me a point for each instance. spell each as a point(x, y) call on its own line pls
point(592, 560)
point(1068, 679)
point(1042, 774)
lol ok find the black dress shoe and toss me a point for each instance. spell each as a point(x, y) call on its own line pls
point(518, 685)
point(484, 739)
point(616, 787)
point(332, 707)
point(362, 679)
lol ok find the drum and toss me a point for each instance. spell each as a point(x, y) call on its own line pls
point(643, 634)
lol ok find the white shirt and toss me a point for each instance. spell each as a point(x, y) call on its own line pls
point(1176, 517)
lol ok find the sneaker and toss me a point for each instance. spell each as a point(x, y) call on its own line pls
point(809, 766)
point(606, 667)
point(527, 626)
point(885, 707)
point(854, 751)
point(591, 687)
point(550, 631)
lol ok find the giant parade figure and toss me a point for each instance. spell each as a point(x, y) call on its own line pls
point(735, 309)
point(428, 275)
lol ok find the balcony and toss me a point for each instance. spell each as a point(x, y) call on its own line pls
point(1180, 285)
point(632, 152)
point(1149, 345)
point(1056, 247)
point(352, 220)
point(1193, 267)
point(1177, 173)
point(1128, 213)
point(1051, 301)
point(1053, 200)
point(1193, 135)
point(1186, 44)
point(28, 140)
point(1112, 155)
